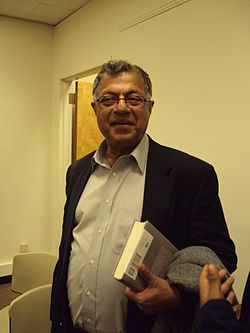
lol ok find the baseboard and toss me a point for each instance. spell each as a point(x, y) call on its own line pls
point(5, 269)
point(5, 279)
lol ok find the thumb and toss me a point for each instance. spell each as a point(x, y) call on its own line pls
point(145, 273)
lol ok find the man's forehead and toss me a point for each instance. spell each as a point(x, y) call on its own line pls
point(125, 79)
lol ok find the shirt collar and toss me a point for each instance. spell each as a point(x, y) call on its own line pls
point(140, 154)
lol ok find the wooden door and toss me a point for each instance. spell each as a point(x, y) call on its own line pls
point(86, 133)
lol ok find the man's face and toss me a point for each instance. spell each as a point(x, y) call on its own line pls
point(123, 127)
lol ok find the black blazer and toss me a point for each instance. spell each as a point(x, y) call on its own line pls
point(180, 199)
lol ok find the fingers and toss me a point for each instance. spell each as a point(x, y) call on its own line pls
point(222, 274)
point(237, 310)
point(150, 279)
point(147, 276)
point(138, 297)
point(131, 294)
point(231, 297)
point(209, 284)
point(203, 275)
point(145, 273)
point(227, 285)
point(213, 273)
point(203, 285)
point(214, 282)
point(158, 295)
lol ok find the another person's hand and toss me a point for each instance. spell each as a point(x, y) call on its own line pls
point(210, 285)
point(158, 296)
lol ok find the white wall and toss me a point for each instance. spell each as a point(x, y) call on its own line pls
point(25, 133)
point(198, 57)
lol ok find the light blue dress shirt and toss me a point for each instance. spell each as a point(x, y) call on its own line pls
point(112, 199)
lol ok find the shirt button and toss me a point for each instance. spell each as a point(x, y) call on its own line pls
point(88, 293)
point(107, 201)
point(91, 261)
point(99, 231)
point(114, 174)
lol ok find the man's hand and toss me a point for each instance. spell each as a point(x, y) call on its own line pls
point(158, 296)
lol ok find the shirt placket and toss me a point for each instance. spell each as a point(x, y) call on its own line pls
point(90, 296)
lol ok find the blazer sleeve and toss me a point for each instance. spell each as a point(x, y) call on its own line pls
point(217, 316)
point(207, 223)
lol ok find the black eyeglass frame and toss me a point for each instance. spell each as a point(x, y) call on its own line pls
point(117, 99)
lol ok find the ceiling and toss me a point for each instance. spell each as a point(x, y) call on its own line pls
point(50, 12)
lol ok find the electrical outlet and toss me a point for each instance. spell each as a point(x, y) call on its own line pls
point(24, 247)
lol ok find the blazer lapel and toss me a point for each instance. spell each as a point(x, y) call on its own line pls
point(158, 186)
point(80, 183)
point(158, 192)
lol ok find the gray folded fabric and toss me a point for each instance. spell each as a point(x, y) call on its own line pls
point(184, 271)
point(185, 266)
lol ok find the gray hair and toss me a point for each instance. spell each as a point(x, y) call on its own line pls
point(114, 67)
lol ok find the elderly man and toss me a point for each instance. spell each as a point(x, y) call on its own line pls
point(130, 177)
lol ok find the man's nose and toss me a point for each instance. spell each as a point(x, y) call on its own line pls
point(121, 104)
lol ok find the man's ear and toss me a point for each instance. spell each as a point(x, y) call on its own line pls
point(151, 104)
point(93, 104)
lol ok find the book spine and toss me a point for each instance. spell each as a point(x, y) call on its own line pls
point(139, 254)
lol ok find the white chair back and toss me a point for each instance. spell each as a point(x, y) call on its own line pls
point(29, 313)
point(4, 320)
point(31, 270)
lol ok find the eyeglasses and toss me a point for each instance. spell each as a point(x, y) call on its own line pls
point(134, 102)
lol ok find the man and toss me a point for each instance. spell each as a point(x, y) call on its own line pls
point(130, 177)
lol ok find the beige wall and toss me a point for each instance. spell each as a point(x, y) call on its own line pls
point(25, 105)
point(198, 57)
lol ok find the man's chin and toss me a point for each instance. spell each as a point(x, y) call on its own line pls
point(125, 139)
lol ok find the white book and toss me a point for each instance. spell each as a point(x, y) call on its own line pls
point(144, 244)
